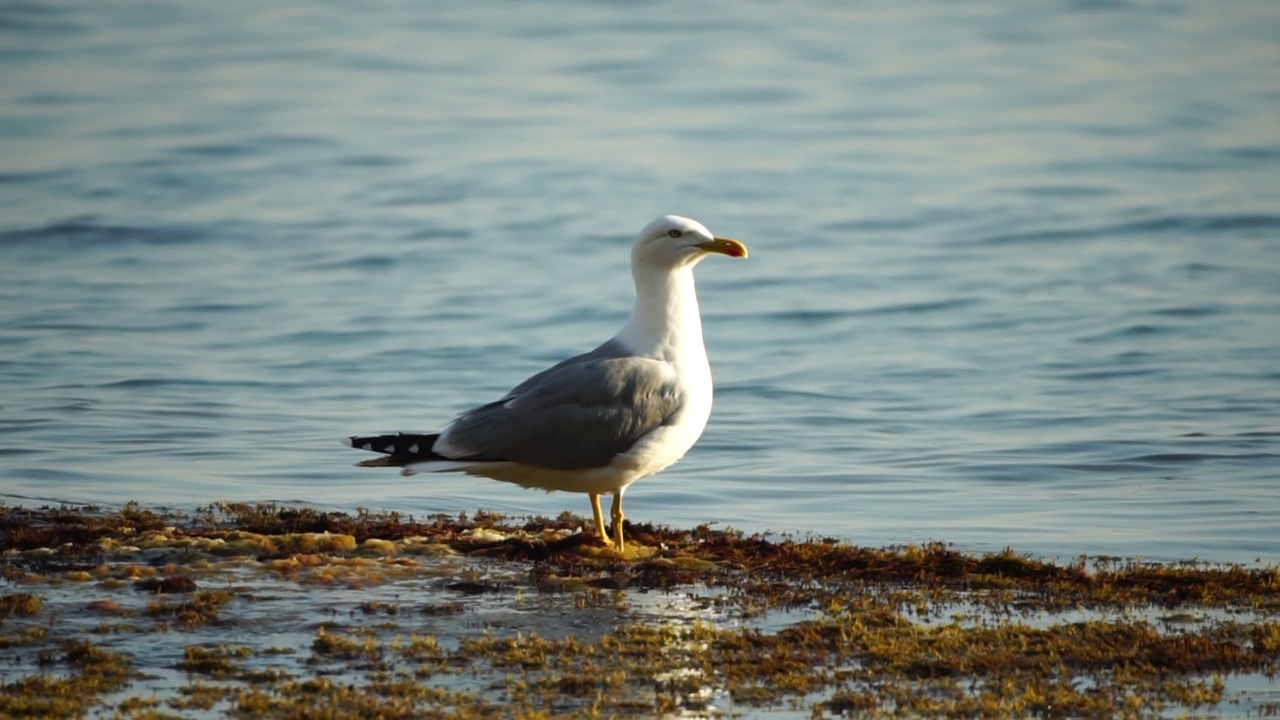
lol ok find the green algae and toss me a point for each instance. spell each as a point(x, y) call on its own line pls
point(91, 672)
point(19, 604)
point(383, 615)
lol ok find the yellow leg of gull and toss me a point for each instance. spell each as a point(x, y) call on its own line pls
point(599, 515)
point(617, 521)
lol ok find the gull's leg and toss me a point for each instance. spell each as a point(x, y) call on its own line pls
point(599, 515)
point(617, 521)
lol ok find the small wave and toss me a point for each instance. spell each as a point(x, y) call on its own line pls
point(1137, 330)
point(1188, 224)
point(1187, 312)
point(819, 316)
point(154, 382)
point(71, 327)
point(37, 473)
point(921, 219)
point(1100, 467)
point(441, 196)
point(440, 233)
point(321, 337)
point(1186, 458)
point(916, 308)
point(1067, 191)
point(214, 307)
point(1253, 153)
point(18, 178)
point(371, 161)
point(83, 233)
point(1194, 268)
point(1172, 458)
point(217, 150)
point(1111, 374)
point(1249, 434)
point(805, 316)
point(364, 262)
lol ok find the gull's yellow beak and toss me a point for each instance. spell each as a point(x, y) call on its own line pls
point(725, 246)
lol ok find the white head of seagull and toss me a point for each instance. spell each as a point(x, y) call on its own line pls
point(672, 241)
point(665, 322)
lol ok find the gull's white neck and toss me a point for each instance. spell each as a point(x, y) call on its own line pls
point(665, 322)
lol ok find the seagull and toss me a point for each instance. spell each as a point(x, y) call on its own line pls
point(596, 422)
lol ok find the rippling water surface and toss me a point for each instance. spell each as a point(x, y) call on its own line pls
point(1015, 272)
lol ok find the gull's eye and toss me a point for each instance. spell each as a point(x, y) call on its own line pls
point(674, 233)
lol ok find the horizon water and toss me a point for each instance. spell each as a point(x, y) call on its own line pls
point(1014, 275)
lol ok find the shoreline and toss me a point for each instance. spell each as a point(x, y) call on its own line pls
point(284, 611)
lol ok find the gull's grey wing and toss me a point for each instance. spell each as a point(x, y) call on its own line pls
point(577, 414)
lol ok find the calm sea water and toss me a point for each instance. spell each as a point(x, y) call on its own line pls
point(1014, 275)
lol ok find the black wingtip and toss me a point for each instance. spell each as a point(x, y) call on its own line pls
point(400, 449)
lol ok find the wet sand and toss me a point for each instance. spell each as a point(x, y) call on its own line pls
point(289, 612)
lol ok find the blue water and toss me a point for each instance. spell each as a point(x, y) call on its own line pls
point(1014, 274)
